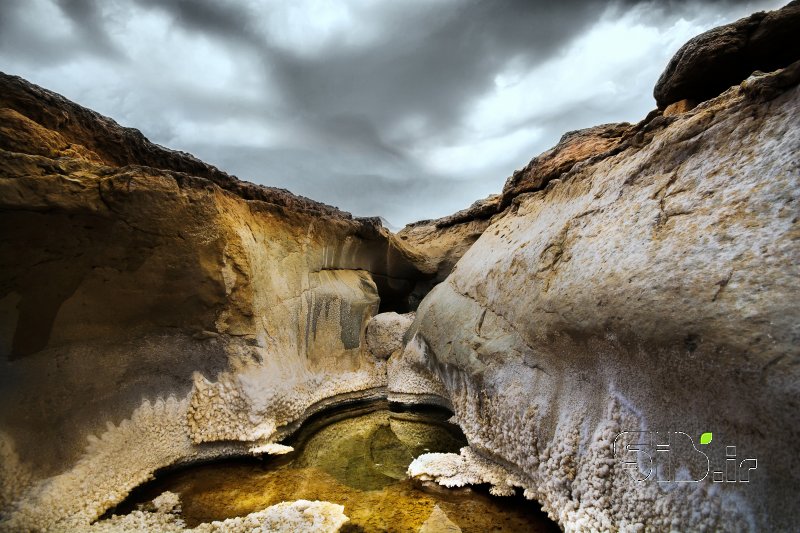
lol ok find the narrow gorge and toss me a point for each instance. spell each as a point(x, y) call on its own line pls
point(616, 333)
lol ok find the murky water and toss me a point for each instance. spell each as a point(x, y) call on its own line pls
point(357, 458)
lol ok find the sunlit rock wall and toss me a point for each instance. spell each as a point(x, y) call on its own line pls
point(133, 276)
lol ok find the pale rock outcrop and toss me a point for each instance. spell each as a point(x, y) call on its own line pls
point(272, 448)
point(633, 278)
point(574, 148)
point(253, 403)
point(410, 380)
point(649, 288)
point(441, 242)
point(301, 516)
point(465, 468)
point(114, 462)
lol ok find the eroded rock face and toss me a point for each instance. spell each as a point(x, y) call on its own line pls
point(142, 288)
point(574, 147)
point(443, 241)
point(713, 61)
point(651, 289)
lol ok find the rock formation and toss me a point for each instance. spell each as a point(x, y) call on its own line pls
point(301, 516)
point(634, 278)
point(442, 242)
point(647, 288)
point(146, 295)
point(708, 64)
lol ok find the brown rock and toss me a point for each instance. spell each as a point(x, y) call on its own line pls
point(574, 147)
point(443, 241)
point(31, 110)
point(719, 58)
point(681, 106)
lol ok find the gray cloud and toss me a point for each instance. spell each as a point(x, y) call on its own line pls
point(324, 175)
point(87, 19)
point(403, 109)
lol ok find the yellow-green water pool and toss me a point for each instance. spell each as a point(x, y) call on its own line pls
point(356, 457)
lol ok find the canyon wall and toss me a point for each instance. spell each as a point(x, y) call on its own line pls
point(158, 310)
point(642, 279)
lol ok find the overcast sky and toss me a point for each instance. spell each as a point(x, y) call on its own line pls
point(406, 109)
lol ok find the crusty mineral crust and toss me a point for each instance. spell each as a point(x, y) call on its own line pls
point(300, 516)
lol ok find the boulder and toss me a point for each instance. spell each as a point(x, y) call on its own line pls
point(724, 56)
point(385, 333)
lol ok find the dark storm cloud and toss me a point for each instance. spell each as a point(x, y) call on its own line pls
point(228, 21)
point(350, 122)
point(435, 63)
point(16, 38)
point(431, 61)
point(88, 21)
point(53, 47)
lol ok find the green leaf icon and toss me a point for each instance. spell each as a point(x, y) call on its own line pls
point(705, 438)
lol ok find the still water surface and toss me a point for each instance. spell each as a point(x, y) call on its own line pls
point(356, 457)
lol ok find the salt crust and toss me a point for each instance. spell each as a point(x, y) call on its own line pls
point(241, 413)
point(298, 516)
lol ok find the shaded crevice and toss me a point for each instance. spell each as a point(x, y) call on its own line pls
point(397, 294)
point(401, 295)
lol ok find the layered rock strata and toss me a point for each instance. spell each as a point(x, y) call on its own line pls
point(443, 241)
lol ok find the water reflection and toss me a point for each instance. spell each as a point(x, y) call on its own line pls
point(357, 458)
